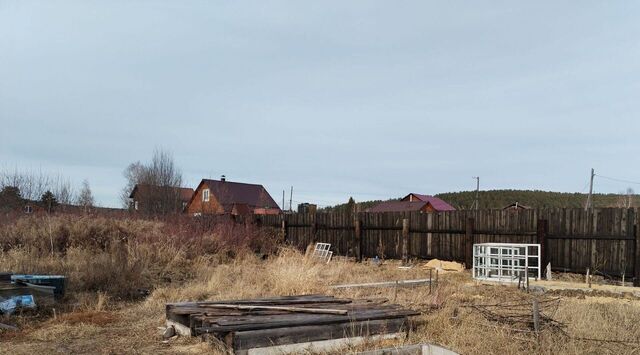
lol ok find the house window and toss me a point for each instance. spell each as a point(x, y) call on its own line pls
point(135, 205)
point(205, 195)
point(28, 209)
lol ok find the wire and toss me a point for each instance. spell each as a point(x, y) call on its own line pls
point(618, 180)
point(585, 186)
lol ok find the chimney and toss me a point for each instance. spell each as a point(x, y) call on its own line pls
point(223, 178)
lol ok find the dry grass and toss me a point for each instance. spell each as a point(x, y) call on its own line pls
point(104, 323)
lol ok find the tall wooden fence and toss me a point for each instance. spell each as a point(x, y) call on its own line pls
point(604, 240)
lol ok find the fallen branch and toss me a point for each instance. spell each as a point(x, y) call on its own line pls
point(8, 326)
point(400, 283)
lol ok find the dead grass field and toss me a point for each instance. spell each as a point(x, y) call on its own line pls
point(101, 322)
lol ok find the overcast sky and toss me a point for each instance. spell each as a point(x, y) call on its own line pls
point(348, 98)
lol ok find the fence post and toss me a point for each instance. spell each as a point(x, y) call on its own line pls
point(636, 266)
point(283, 230)
point(541, 235)
point(405, 240)
point(468, 243)
point(314, 230)
point(358, 246)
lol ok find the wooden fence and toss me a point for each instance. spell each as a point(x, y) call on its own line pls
point(604, 240)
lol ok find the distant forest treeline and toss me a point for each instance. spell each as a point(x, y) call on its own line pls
point(497, 199)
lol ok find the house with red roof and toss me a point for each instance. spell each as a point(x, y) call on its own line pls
point(227, 197)
point(413, 203)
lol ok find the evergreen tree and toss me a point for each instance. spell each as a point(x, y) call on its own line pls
point(49, 201)
point(351, 205)
point(10, 197)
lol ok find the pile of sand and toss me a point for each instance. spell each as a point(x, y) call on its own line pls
point(442, 266)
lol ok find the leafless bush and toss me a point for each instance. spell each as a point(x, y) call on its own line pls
point(33, 184)
point(118, 256)
point(85, 197)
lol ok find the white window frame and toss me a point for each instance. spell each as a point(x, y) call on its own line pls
point(135, 205)
point(205, 195)
point(506, 262)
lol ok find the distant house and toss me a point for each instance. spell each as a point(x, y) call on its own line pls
point(516, 206)
point(307, 208)
point(164, 199)
point(235, 198)
point(413, 202)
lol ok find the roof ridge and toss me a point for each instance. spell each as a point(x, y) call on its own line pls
point(233, 182)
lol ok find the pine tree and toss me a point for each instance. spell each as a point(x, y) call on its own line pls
point(351, 205)
point(49, 201)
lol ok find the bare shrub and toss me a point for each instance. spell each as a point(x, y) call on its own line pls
point(122, 257)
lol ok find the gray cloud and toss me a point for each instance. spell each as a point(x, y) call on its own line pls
point(369, 99)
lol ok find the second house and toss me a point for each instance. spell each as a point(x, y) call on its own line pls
point(227, 197)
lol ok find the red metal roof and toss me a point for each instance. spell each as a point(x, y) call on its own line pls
point(229, 193)
point(398, 206)
point(436, 203)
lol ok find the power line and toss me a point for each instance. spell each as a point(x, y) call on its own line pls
point(586, 184)
point(618, 180)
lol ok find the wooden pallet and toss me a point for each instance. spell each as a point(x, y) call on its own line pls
point(247, 325)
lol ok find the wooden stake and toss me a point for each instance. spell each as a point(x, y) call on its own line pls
point(430, 284)
point(586, 279)
point(548, 272)
point(519, 280)
point(536, 316)
point(395, 292)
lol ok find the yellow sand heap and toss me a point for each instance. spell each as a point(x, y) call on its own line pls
point(444, 265)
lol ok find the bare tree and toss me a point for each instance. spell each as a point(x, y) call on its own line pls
point(33, 184)
point(135, 174)
point(62, 190)
point(158, 184)
point(85, 197)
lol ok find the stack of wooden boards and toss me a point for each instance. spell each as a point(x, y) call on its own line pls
point(271, 322)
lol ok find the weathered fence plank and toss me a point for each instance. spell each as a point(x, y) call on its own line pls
point(604, 240)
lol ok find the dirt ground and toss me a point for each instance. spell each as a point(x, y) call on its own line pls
point(596, 324)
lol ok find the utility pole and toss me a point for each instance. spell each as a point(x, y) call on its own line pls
point(283, 207)
point(291, 200)
point(476, 203)
point(589, 203)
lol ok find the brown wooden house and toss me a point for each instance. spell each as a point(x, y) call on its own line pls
point(222, 196)
point(159, 199)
